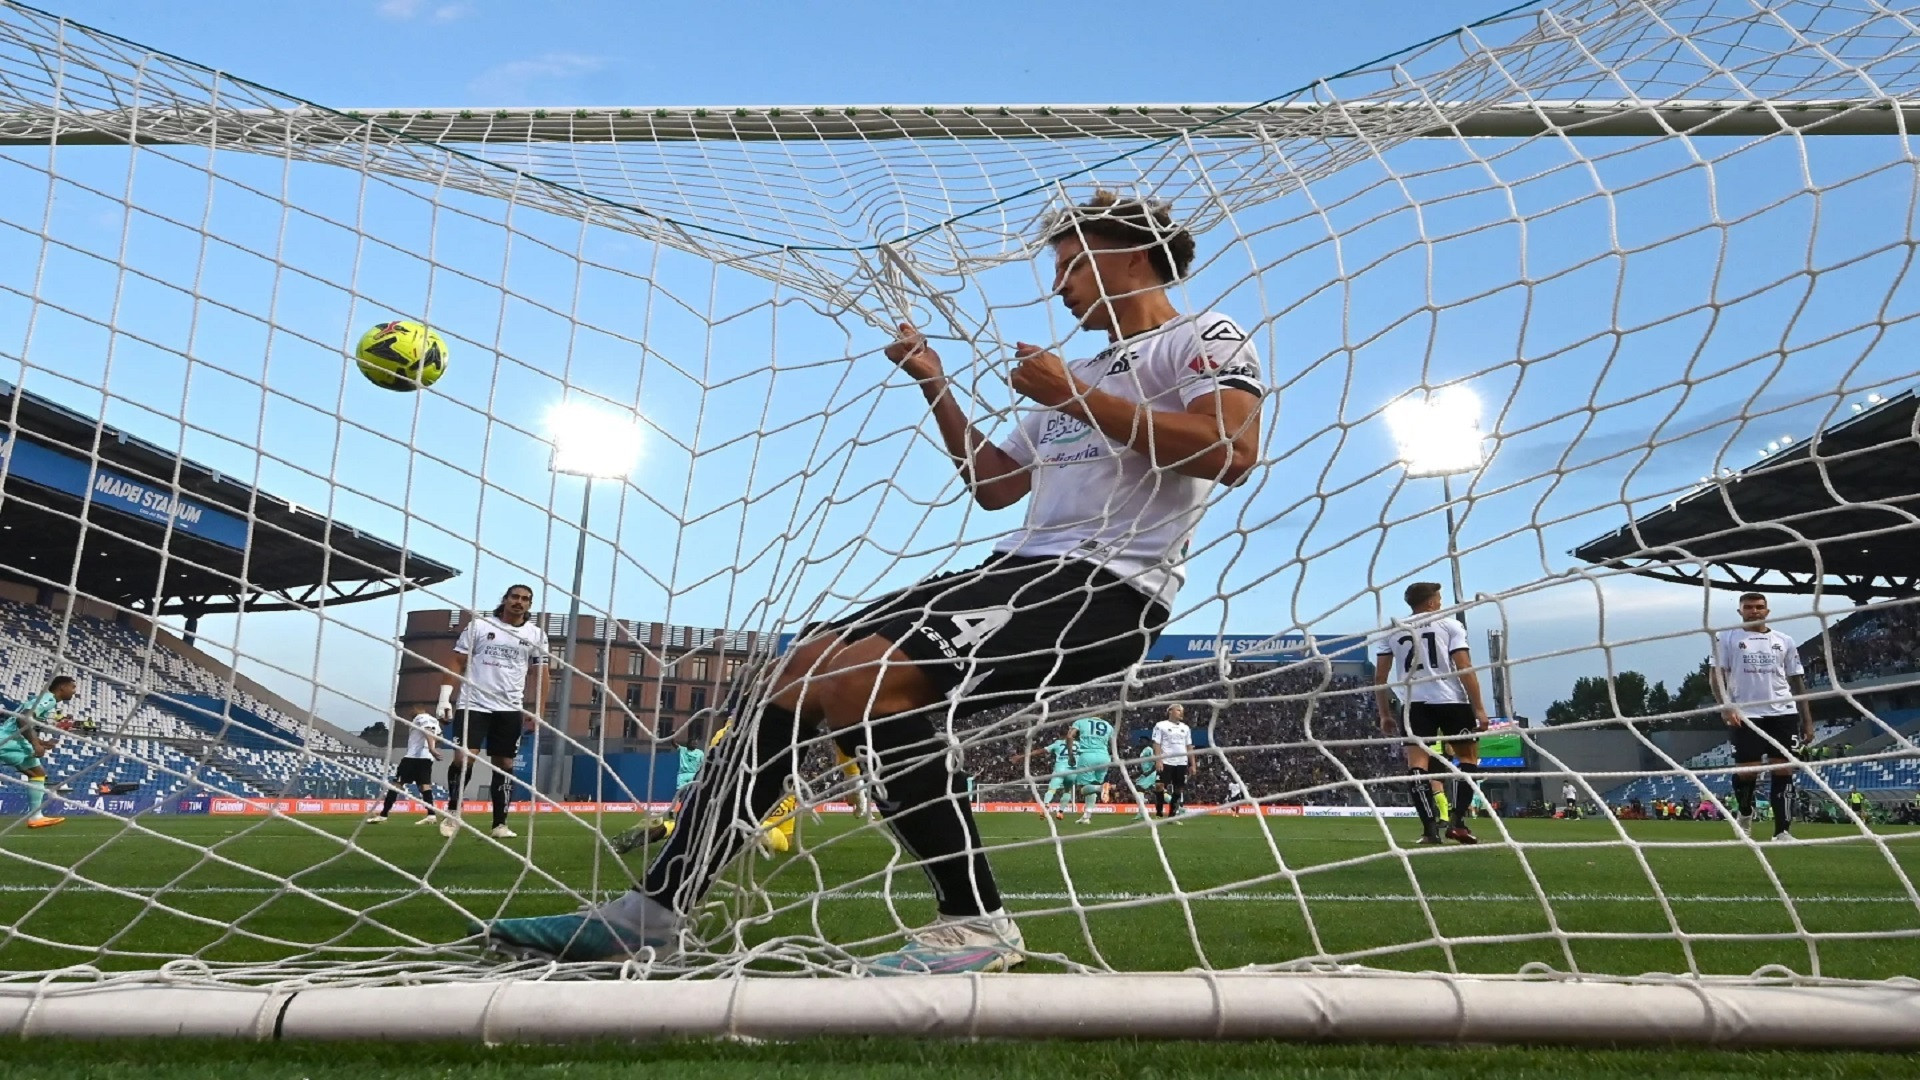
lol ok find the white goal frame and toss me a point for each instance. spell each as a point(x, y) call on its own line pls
point(1531, 1006)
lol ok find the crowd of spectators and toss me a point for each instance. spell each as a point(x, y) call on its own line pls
point(1300, 733)
point(1869, 645)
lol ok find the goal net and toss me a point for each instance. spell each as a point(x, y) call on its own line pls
point(1665, 246)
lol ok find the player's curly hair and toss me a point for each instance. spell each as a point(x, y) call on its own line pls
point(1129, 223)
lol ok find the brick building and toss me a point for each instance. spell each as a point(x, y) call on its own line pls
point(631, 679)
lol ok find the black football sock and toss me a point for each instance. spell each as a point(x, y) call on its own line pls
point(1178, 802)
point(1782, 802)
point(923, 799)
point(456, 781)
point(1160, 800)
point(1463, 792)
point(499, 791)
point(743, 778)
point(387, 807)
point(1423, 806)
point(1743, 789)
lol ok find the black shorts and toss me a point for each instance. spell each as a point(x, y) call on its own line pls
point(1173, 776)
point(1428, 721)
point(414, 770)
point(1014, 628)
point(1764, 737)
point(497, 732)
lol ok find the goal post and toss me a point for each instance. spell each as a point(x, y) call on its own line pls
point(1648, 238)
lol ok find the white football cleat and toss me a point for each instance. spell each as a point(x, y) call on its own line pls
point(449, 826)
point(374, 819)
point(1084, 819)
point(955, 946)
point(501, 832)
point(426, 819)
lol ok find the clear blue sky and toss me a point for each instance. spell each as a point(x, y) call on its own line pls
point(1596, 423)
point(492, 52)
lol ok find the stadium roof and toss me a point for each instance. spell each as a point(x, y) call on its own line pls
point(88, 506)
point(1839, 512)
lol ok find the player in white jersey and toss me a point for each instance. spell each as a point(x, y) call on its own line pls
point(1762, 688)
point(1173, 755)
point(1443, 696)
point(416, 765)
point(1117, 456)
point(491, 661)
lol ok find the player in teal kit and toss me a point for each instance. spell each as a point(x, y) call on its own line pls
point(1149, 776)
point(1061, 780)
point(22, 745)
point(1092, 741)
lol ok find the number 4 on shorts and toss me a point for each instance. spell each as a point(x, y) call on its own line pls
point(978, 626)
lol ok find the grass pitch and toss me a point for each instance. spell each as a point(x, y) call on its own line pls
point(1216, 892)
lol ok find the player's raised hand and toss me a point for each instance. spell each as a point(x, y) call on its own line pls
point(913, 355)
point(1042, 377)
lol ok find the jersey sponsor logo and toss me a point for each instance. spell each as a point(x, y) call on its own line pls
point(1224, 330)
point(1121, 366)
point(1061, 429)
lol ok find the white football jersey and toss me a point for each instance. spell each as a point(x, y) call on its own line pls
point(421, 731)
point(1100, 500)
point(498, 656)
point(1757, 666)
point(1422, 647)
point(1175, 739)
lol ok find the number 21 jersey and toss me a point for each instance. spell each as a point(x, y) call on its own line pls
point(1423, 648)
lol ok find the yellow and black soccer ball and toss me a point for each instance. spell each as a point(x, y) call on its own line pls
point(401, 355)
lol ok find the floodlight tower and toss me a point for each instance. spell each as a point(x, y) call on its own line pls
point(1438, 434)
point(591, 443)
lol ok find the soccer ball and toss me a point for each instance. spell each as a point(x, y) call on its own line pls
point(401, 355)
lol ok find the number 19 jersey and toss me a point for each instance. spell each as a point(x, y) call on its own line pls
point(1093, 740)
point(1423, 647)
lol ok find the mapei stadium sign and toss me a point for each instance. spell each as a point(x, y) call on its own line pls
point(1277, 648)
point(72, 475)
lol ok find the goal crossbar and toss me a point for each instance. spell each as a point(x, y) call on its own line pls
point(877, 123)
point(1435, 1009)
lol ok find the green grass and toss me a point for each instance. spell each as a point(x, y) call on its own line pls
point(869, 1059)
point(1249, 892)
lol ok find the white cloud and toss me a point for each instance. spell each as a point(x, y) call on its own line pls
point(514, 81)
point(403, 10)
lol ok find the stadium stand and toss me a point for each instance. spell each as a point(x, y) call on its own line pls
point(164, 723)
point(1295, 733)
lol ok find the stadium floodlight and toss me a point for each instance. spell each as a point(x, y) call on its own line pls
point(1438, 434)
point(594, 443)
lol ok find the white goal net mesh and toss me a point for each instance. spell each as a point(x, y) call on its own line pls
point(1651, 238)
